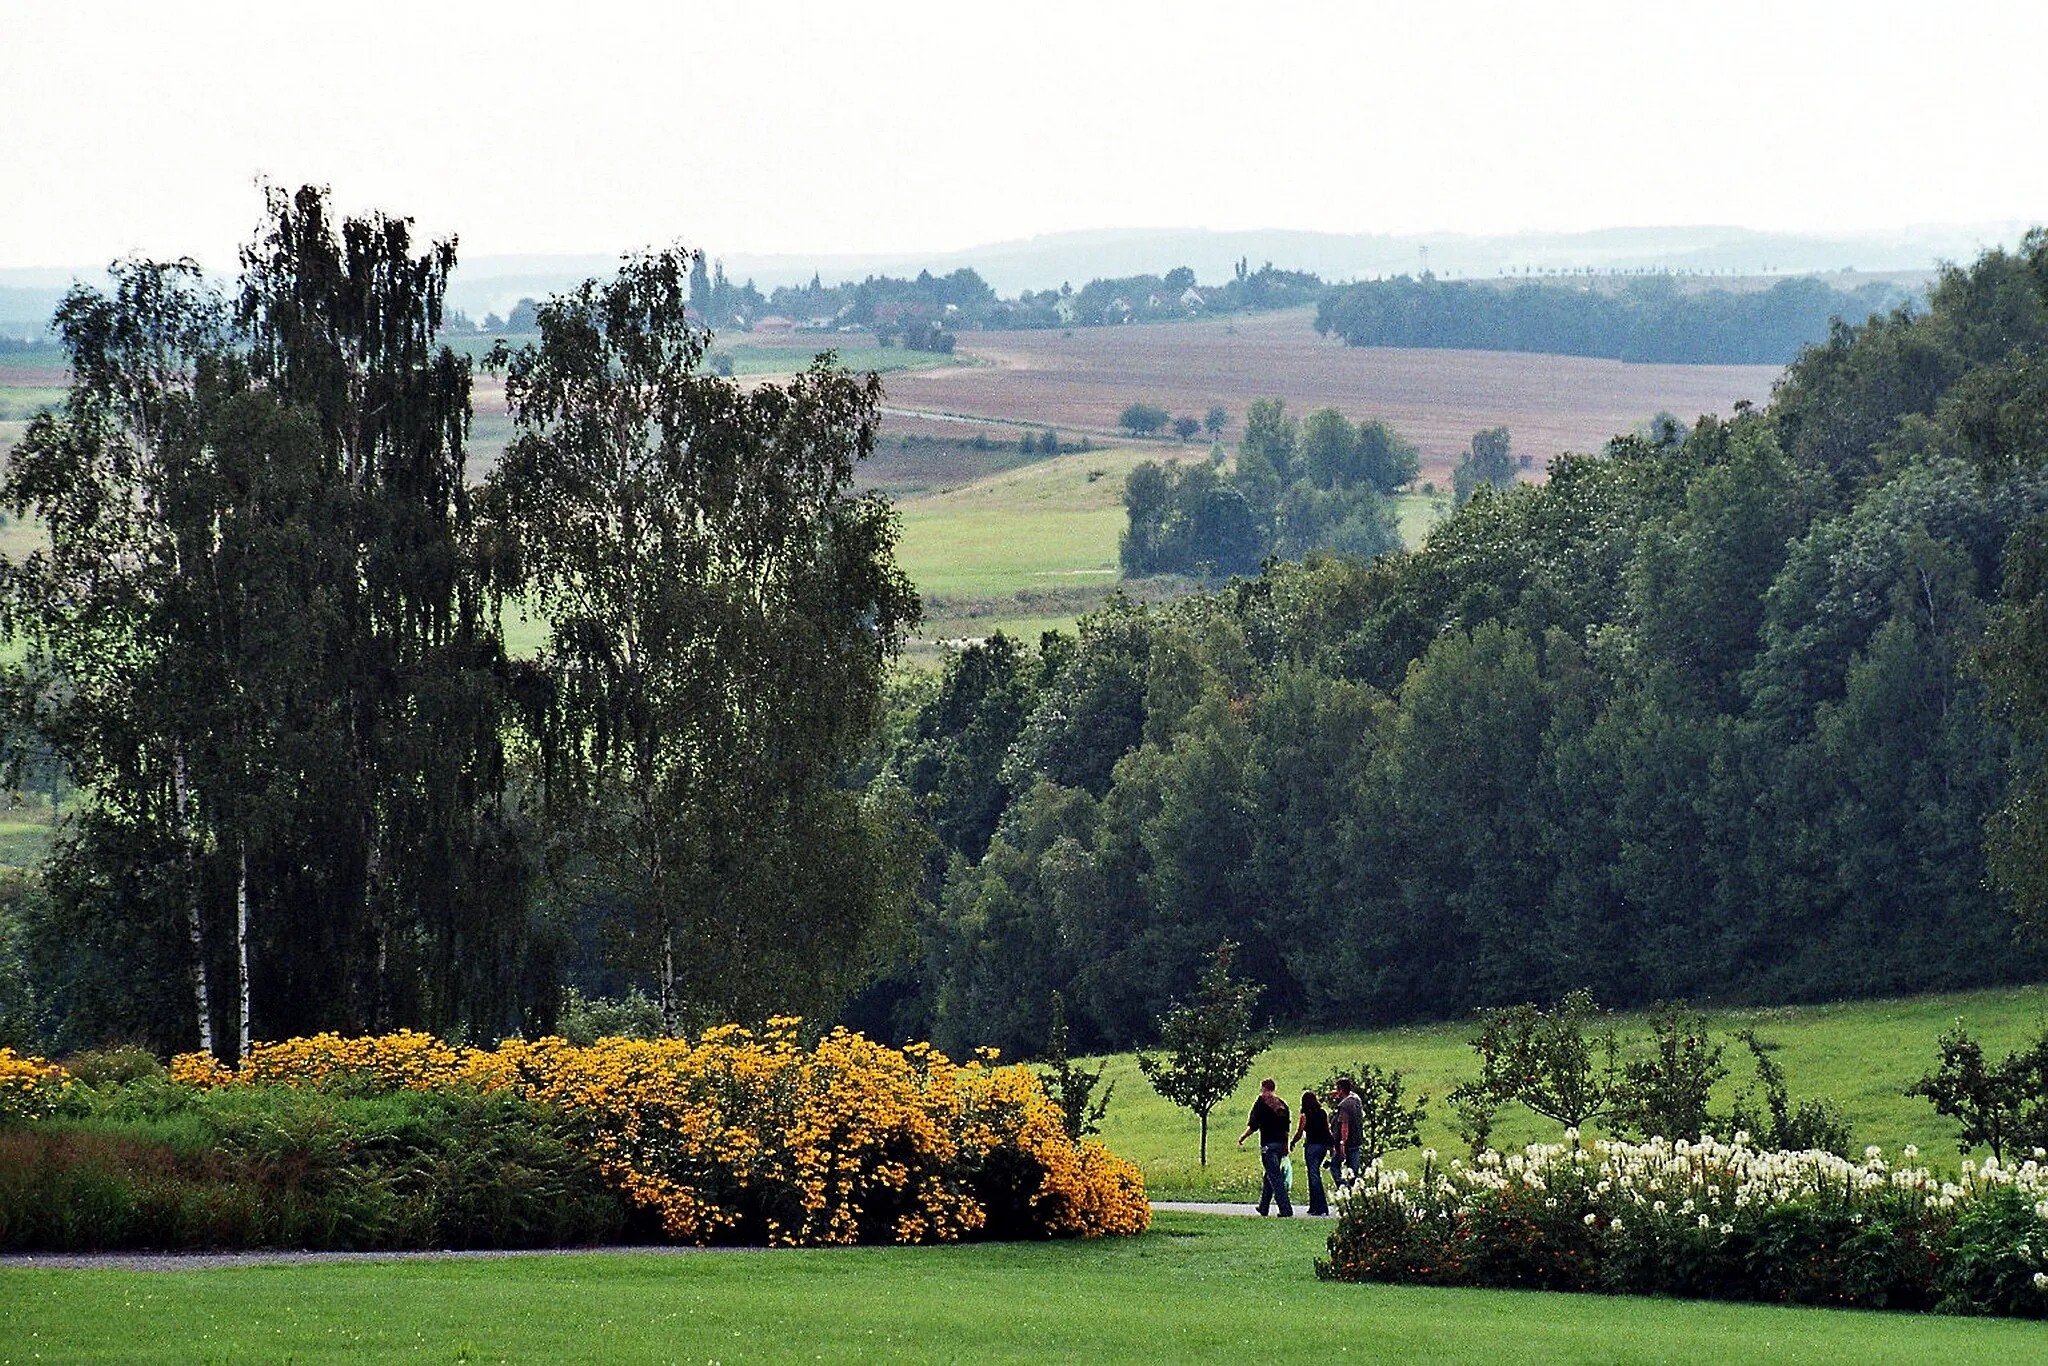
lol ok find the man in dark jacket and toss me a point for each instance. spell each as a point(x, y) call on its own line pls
point(1270, 1121)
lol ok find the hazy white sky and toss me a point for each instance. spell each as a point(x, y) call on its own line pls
point(900, 125)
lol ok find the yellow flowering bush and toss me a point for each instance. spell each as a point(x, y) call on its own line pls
point(736, 1136)
point(29, 1087)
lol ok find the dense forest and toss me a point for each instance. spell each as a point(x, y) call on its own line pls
point(1646, 319)
point(1751, 711)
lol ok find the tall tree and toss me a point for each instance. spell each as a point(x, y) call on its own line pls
point(112, 679)
point(721, 609)
point(260, 640)
point(402, 794)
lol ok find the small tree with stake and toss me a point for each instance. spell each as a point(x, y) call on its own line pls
point(1072, 1088)
point(1210, 1044)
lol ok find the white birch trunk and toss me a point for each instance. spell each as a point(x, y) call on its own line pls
point(202, 1002)
point(242, 948)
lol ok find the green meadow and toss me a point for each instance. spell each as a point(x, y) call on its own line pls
point(1860, 1054)
point(1033, 548)
point(1196, 1288)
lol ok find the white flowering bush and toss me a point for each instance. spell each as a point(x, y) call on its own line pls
point(1713, 1219)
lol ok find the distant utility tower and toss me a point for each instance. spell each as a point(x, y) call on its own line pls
point(1423, 251)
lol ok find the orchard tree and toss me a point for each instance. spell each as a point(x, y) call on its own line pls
point(1142, 419)
point(1210, 1044)
point(1546, 1060)
point(721, 611)
point(2002, 1105)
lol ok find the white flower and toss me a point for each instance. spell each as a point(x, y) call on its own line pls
point(1592, 1219)
point(1727, 1229)
point(2041, 1280)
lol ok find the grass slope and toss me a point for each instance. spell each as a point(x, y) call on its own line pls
point(1861, 1054)
point(1031, 548)
point(1196, 1288)
point(1023, 550)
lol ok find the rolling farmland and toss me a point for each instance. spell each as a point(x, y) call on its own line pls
point(1079, 382)
point(996, 538)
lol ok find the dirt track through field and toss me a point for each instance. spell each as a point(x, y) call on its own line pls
point(1437, 399)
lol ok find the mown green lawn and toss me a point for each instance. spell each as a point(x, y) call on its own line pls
point(1197, 1288)
point(1861, 1054)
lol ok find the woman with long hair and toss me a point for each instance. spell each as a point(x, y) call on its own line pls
point(1313, 1134)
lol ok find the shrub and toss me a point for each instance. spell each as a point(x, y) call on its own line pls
point(1666, 1094)
point(1707, 1219)
point(30, 1087)
point(586, 1019)
point(745, 1138)
point(1777, 1122)
point(275, 1167)
point(103, 1067)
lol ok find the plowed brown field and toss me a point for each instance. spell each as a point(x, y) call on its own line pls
point(1437, 399)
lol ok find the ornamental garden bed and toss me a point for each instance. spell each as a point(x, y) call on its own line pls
point(402, 1141)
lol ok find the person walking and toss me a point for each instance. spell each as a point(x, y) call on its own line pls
point(1312, 1132)
point(1349, 1126)
point(1269, 1122)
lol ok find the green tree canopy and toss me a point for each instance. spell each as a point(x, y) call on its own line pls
point(721, 608)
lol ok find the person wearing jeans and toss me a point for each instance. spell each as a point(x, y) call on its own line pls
point(1312, 1132)
point(1350, 1130)
point(1269, 1121)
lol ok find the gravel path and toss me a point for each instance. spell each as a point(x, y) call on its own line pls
point(1208, 1207)
point(215, 1261)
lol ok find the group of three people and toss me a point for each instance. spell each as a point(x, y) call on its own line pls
point(1331, 1136)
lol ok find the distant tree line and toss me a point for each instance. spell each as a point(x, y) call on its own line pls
point(1752, 711)
point(909, 308)
point(1297, 487)
point(1646, 319)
